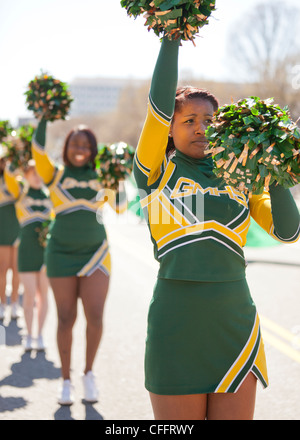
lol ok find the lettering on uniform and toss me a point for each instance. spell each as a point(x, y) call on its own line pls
point(29, 202)
point(70, 183)
point(187, 187)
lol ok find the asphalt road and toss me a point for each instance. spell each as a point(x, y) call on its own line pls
point(29, 381)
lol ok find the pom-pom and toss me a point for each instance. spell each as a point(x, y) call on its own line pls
point(254, 144)
point(48, 98)
point(114, 163)
point(43, 232)
point(176, 19)
point(5, 130)
point(18, 146)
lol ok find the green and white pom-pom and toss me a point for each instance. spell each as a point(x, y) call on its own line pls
point(48, 98)
point(254, 143)
point(18, 146)
point(5, 130)
point(176, 19)
point(114, 163)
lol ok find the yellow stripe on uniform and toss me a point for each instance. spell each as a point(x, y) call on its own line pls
point(241, 360)
point(94, 261)
point(167, 175)
point(194, 229)
point(45, 167)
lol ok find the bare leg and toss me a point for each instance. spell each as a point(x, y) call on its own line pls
point(93, 291)
point(234, 406)
point(65, 294)
point(185, 407)
point(227, 406)
point(42, 299)
point(5, 259)
point(15, 275)
point(29, 281)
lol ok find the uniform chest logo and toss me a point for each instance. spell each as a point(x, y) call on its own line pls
point(187, 187)
point(70, 183)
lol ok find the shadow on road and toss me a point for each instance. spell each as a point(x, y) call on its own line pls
point(31, 366)
point(65, 413)
point(11, 403)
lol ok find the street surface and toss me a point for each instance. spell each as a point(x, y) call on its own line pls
point(29, 381)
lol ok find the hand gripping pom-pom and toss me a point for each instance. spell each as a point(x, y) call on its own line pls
point(254, 144)
point(176, 19)
point(48, 98)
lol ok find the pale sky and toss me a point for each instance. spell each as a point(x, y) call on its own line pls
point(96, 38)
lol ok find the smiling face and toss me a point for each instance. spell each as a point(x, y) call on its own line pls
point(189, 125)
point(79, 149)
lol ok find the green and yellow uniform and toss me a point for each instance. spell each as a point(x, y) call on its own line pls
point(78, 243)
point(203, 328)
point(33, 208)
point(9, 225)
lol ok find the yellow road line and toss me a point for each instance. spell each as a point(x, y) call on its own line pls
point(277, 329)
point(281, 346)
point(277, 343)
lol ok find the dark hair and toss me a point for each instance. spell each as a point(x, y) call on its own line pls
point(92, 140)
point(187, 93)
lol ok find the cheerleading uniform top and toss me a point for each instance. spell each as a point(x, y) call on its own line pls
point(78, 243)
point(198, 225)
point(33, 208)
point(9, 225)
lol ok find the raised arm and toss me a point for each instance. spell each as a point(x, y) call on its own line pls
point(12, 184)
point(154, 137)
point(277, 214)
point(44, 165)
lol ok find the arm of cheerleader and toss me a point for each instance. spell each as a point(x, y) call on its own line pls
point(119, 200)
point(12, 183)
point(44, 165)
point(150, 153)
point(277, 213)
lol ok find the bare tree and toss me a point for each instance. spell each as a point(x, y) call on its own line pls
point(265, 41)
point(263, 49)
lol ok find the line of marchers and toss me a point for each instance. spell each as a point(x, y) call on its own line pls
point(153, 429)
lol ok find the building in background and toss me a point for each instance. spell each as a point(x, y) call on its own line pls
point(95, 96)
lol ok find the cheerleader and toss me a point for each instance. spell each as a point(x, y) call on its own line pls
point(33, 208)
point(204, 350)
point(9, 231)
point(77, 256)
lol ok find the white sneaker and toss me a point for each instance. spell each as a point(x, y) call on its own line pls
point(40, 346)
point(2, 311)
point(15, 310)
point(66, 393)
point(28, 343)
point(90, 389)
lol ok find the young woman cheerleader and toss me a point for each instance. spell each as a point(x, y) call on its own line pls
point(33, 208)
point(204, 350)
point(9, 231)
point(77, 255)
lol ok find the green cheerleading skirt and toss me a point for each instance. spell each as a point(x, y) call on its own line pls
point(202, 337)
point(30, 251)
point(77, 246)
point(9, 225)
